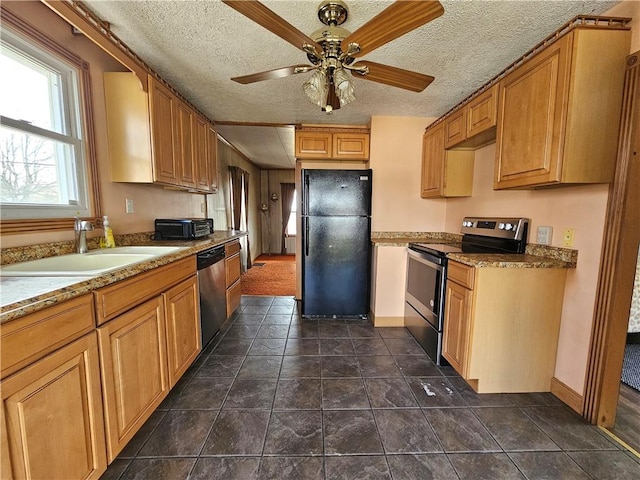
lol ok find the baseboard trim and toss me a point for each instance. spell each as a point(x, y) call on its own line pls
point(387, 321)
point(569, 396)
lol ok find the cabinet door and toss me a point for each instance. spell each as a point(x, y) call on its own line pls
point(183, 146)
point(532, 118)
point(232, 269)
point(455, 128)
point(52, 419)
point(351, 146)
point(183, 328)
point(433, 154)
point(201, 153)
point(313, 145)
point(161, 104)
point(455, 343)
point(234, 293)
point(213, 157)
point(482, 112)
point(134, 370)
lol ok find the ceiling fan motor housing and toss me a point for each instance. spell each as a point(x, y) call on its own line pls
point(332, 12)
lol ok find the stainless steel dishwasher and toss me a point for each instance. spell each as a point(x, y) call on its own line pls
point(213, 287)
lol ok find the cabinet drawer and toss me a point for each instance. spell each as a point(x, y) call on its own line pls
point(233, 297)
point(232, 269)
point(30, 338)
point(462, 274)
point(231, 248)
point(120, 297)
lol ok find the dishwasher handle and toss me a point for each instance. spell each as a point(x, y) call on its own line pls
point(208, 257)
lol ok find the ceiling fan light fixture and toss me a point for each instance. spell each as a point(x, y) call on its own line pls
point(344, 87)
point(317, 88)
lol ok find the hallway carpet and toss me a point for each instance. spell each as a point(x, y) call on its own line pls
point(271, 275)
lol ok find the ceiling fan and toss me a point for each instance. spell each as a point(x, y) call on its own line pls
point(334, 52)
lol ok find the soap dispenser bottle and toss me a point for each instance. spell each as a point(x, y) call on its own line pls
point(109, 241)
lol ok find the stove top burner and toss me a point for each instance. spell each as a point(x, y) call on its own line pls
point(483, 235)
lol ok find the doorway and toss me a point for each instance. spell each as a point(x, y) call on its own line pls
point(618, 266)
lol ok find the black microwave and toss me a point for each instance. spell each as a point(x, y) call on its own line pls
point(183, 229)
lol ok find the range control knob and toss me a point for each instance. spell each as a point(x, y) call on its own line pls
point(508, 226)
point(501, 226)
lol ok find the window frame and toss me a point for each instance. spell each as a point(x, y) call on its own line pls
point(40, 40)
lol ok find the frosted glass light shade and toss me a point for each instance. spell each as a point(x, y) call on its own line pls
point(317, 88)
point(344, 87)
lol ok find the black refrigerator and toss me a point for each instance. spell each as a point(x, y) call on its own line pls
point(336, 242)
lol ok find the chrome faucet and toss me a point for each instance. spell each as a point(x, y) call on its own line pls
point(81, 227)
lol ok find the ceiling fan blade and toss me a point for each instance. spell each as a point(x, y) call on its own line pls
point(394, 76)
point(271, 74)
point(394, 21)
point(260, 14)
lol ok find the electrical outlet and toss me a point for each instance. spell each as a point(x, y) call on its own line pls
point(544, 235)
point(567, 237)
point(203, 207)
point(128, 205)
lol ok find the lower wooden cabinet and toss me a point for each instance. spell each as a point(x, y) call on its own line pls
point(184, 341)
point(52, 419)
point(501, 326)
point(134, 370)
point(458, 320)
point(233, 270)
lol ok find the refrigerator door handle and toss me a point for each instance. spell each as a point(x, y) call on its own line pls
point(305, 196)
point(306, 235)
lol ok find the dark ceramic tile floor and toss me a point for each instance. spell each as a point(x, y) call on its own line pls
point(279, 397)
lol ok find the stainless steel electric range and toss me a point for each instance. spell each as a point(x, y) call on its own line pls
point(427, 273)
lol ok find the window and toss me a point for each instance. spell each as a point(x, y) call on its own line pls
point(42, 152)
point(291, 225)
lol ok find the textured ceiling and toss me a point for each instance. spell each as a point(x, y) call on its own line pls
point(198, 45)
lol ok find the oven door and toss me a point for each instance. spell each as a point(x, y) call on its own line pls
point(425, 286)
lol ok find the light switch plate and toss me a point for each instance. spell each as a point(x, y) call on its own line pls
point(544, 235)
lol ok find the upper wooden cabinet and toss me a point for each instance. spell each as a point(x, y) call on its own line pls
point(183, 143)
point(338, 143)
point(560, 111)
point(445, 173)
point(212, 153)
point(154, 137)
point(473, 124)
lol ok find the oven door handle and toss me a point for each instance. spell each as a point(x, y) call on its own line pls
point(424, 260)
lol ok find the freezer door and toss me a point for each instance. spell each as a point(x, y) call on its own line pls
point(336, 266)
point(336, 192)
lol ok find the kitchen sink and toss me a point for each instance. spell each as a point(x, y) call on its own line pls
point(136, 250)
point(93, 263)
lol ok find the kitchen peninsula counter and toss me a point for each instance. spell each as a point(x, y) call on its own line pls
point(23, 295)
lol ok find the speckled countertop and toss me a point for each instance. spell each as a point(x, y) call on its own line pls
point(498, 260)
point(536, 256)
point(403, 239)
point(22, 295)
